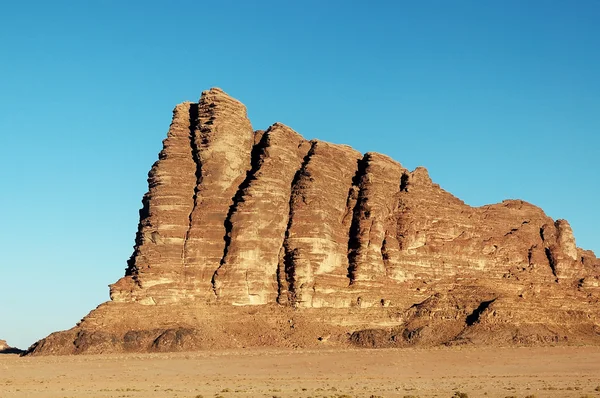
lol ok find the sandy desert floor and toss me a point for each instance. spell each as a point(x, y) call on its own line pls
point(443, 372)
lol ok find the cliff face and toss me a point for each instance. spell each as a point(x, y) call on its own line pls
point(301, 239)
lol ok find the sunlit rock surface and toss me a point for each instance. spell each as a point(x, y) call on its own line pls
point(263, 238)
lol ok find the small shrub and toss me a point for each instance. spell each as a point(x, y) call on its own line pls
point(458, 394)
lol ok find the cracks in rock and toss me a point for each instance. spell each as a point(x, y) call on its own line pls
point(404, 182)
point(281, 278)
point(198, 173)
point(287, 275)
point(257, 157)
point(530, 255)
point(474, 317)
point(548, 251)
point(350, 202)
point(513, 230)
point(385, 255)
point(353, 233)
point(551, 261)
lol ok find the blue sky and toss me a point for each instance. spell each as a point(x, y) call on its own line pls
point(497, 99)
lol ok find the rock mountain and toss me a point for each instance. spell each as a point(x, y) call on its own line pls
point(263, 238)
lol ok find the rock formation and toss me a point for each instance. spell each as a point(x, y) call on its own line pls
point(253, 238)
point(6, 349)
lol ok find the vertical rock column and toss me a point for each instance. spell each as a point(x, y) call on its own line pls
point(164, 218)
point(561, 251)
point(316, 245)
point(182, 229)
point(375, 205)
point(223, 141)
point(259, 219)
point(412, 224)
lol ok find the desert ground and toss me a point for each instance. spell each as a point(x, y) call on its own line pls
point(441, 372)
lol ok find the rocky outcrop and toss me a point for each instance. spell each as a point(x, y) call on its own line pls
point(258, 219)
point(251, 238)
point(6, 349)
point(180, 241)
point(314, 256)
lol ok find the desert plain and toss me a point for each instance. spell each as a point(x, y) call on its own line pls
point(565, 371)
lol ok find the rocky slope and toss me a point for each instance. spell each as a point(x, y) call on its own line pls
point(252, 238)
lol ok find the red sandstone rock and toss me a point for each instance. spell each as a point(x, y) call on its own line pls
point(265, 239)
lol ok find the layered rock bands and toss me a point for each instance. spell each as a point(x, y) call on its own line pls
point(314, 239)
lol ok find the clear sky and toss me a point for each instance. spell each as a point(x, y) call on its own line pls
point(498, 99)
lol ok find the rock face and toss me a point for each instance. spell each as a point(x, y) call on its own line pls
point(252, 238)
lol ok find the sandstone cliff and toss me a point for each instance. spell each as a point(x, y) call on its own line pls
point(251, 238)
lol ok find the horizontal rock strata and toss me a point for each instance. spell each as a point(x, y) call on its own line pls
point(306, 242)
